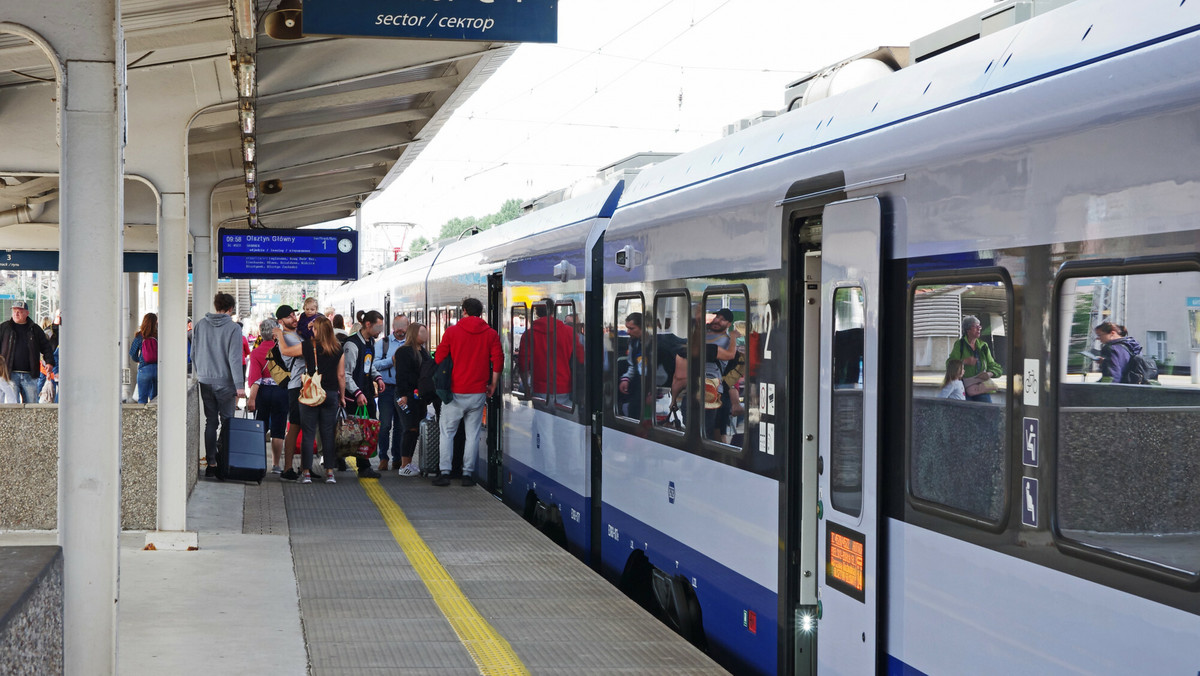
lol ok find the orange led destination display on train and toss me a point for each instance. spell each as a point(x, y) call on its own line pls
point(845, 561)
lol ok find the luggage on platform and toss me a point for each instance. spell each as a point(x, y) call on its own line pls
point(428, 440)
point(246, 457)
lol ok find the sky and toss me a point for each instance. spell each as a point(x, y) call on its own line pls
point(629, 76)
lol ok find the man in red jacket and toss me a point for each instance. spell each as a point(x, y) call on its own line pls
point(474, 350)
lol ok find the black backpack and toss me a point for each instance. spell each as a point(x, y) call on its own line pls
point(1140, 369)
point(426, 389)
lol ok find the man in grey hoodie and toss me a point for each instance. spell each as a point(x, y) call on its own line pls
point(217, 361)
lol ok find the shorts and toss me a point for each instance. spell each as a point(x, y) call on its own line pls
point(294, 406)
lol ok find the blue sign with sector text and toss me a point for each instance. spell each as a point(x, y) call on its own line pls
point(473, 20)
point(287, 254)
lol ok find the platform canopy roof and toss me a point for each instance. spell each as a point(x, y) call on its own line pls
point(334, 120)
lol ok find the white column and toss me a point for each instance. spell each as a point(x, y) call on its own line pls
point(89, 423)
point(172, 377)
point(131, 316)
point(204, 283)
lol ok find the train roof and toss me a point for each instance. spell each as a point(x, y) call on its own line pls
point(1073, 36)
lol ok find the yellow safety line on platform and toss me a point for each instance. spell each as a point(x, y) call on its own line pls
point(492, 654)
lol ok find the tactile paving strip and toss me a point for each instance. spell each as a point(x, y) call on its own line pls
point(366, 610)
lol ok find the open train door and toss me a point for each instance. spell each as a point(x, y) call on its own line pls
point(848, 531)
point(495, 456)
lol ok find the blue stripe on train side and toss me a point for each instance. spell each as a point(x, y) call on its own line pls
point(575, 507)
point(896, 667)
point(726, 597)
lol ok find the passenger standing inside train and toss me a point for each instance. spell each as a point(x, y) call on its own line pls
point(474, 348)
point(390, 429)
point(218, 362)
point(631, 380)
point(266, 399)
point(411, 407)
point(975, 354)
point(144, 350)
point(23, 345)
point(362, 378)
point(720, 349)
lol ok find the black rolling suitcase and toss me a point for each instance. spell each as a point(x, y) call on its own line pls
point(246, 458)
point(429, 438)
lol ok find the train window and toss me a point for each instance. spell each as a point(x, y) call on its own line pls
point(672, 315)
point(627, 337)
point(958, 437)
point(1128, 457)
point(536, 357)
point(516, 336)
point(568, 356)
point(725, 321)
point(846, 426)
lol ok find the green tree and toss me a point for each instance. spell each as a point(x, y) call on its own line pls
point(456, 226)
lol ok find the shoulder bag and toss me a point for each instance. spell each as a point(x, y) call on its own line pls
point(311, 392)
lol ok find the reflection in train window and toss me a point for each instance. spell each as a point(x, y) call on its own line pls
point(568, 356)
point(1128, 456)
point(515, 335)
point(846, 424)
point(958, 451)
point(725, 322)
point(536, 357)
point(627, 340)
point(672, 314)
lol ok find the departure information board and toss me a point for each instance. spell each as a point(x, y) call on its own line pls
point(287, 254)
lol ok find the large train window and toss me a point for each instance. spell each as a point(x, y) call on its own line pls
point(725, 322)
point(536, 358)
point(516, 336)
point(568, 356)
point(672, 317)
point(846, 426)
point(627, 339)
point(1127, 457)
point(958, 446)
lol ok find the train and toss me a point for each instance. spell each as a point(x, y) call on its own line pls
point(810, 503)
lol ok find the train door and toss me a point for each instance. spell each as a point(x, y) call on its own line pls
point(848, 537)
point(495, 455)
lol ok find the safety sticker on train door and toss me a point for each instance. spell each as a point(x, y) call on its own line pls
point(1029, 502)
point(762, 398)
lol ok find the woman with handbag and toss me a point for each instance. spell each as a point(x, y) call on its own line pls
point(326, 369)
point(409, 405)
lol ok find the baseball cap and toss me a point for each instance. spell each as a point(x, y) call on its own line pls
point(20, 305)
point(725, 314)
point(284, 311)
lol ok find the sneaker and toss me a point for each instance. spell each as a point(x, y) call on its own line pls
point(442, 480)
point(468, 481)
point(383, 465)
point(210, 472)
point(276, 469)
point(367, 473)
point(289, 475)
point(329, 478)
point(306, 478)
point(409, 470)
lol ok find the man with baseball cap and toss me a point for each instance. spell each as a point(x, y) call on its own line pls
point(720, 348)
point(23, 345)
point(286, 335)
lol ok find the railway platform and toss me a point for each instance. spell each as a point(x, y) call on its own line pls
point(387, 576)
